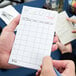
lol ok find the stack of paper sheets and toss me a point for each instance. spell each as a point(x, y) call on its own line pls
point(64, 28)
point(34, 37)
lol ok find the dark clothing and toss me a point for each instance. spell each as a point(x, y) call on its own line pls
point(68, 56)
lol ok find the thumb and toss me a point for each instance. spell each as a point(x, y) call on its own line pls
point(12, 25)
point(47, 67)
point(47, 63)
point(61, 46)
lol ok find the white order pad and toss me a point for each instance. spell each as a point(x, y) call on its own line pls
point(64, 28)
point(34, 37)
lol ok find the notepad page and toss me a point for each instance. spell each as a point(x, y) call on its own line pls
point(34, 37)
point(8, 13)
point(64, 28)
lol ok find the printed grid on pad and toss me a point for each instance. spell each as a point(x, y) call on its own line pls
point(34, 37)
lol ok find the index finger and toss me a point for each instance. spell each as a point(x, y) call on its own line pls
point(67, 64)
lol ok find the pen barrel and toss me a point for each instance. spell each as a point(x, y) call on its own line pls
point(57, 73)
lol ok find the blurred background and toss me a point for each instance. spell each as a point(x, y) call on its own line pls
point(4, 3)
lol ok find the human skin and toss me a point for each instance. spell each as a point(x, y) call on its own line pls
point(6, 42)
point(65, 67)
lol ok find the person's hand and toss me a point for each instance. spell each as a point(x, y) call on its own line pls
point(73, 21)
point(65, 67)
point(58, 44)
point(46, 68)
point(63, 48)
point(54, 46)
point(6, 42)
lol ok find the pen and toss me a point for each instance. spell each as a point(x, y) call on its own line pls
point(57, 73)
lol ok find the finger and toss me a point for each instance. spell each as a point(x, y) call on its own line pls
point(54, 47)
point(65, 67)
point(60, 46)
point(41, 66)
point(64, 48)
point(55, 39)
point(12, 25)
point(47, 67)
point(74, 31)
point(68, 47)
point(71, 20)
point(46, 63)
point(63, 64)
point(38, 72)
point(58, 63)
